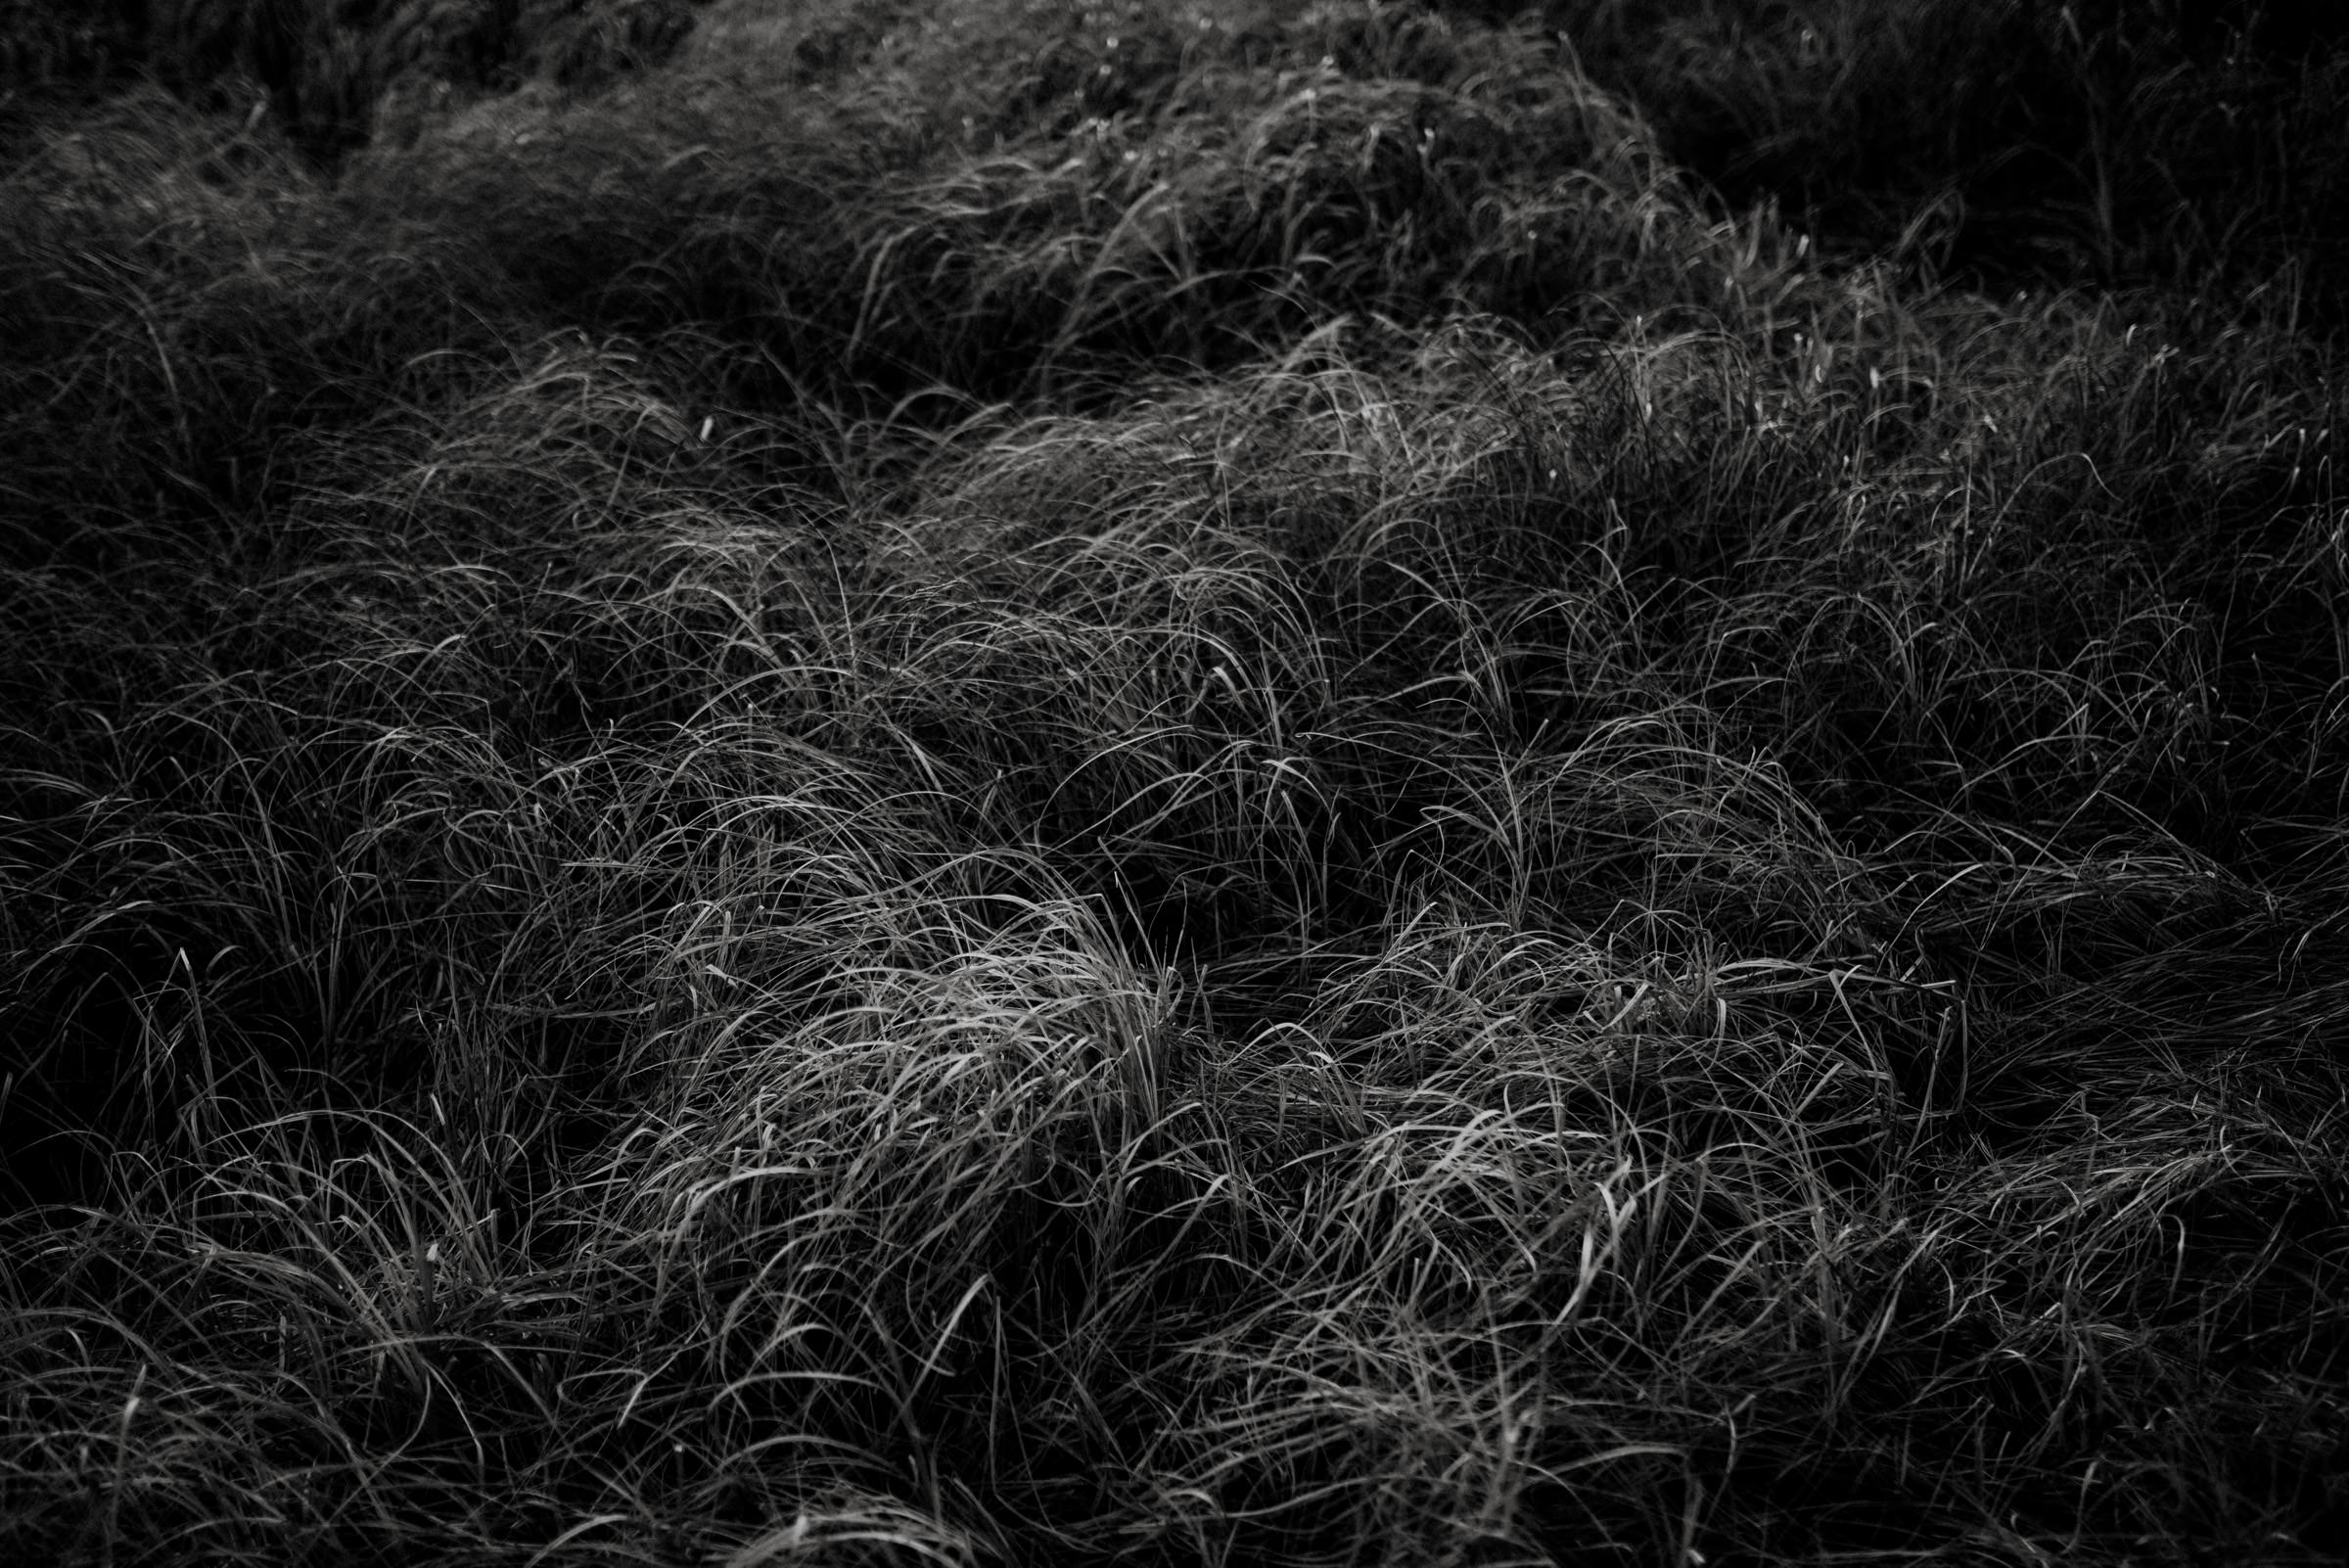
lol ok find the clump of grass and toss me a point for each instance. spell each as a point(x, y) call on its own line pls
point(335, 77)
point(1654, 898)
point(1197, 192)
point(53, 58)
point(186, 308)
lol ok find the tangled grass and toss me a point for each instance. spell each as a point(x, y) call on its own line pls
point(1197, 784)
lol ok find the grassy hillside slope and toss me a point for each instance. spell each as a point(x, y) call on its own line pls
point(974, 781)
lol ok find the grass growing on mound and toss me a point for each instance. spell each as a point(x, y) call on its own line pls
point(1194, 784)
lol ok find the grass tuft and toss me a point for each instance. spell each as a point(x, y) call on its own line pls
point(1192, 783)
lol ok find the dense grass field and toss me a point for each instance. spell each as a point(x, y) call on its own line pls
point(1188, 782)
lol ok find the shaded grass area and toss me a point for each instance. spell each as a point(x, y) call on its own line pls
point(2182, 143)
point(1190, 784)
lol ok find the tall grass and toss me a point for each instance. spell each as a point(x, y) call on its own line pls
point(1201, 784)
point(2180, 142)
